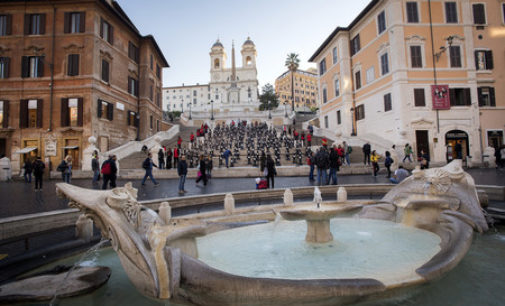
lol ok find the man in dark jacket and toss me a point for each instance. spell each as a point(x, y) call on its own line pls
point(28, 170)
point(367, 149)
point(271, 171)
point(203, 171)
point(322, 163)
point(148, 165)
point(182, 171)
point(334, 166)
point(109, 172)
point(38, 172)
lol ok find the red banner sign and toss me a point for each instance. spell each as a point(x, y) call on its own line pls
point(440, 96)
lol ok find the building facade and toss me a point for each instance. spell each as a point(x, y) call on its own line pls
point(72, 70)
point(378, 76)
point(230, 89)
point(305, 88)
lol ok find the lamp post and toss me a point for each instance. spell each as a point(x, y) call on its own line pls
point(269, 110)
point(211, 109)
point(190, 110)
point(182, 105)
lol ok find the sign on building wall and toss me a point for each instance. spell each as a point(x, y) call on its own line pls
point(440, 96)
point(50, 147)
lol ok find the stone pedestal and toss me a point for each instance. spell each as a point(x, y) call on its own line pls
point(318, 231)
point(165, 212)
point(341, 195)
point(229, 204)
point(288, 197)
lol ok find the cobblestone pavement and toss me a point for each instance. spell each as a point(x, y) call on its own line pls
point(19, 198)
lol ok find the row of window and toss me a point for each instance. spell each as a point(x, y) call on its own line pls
point(457, 96)
point(71, 113)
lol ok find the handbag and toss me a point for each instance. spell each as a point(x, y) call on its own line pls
point(199, 173)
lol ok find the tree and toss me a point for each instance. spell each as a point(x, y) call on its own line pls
point(292, 63)
point(268, 98)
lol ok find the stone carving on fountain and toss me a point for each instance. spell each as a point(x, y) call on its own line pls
point(160, 257)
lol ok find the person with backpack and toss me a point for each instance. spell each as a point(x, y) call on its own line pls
point(95, 167)
point(38, 172)
point(28, 170)
point(148, 165)
point(334, 163)
point(311, 161)
point(109, 172)
point(322, 162)
point(182, 171)
point(388, 162)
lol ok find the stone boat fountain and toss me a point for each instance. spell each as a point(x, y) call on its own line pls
point(160, 255)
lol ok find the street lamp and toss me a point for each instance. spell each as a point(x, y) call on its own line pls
point(211, 109)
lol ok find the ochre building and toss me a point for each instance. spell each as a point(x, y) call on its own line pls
point(305, 88)
point(377, 77)
point(70, 70)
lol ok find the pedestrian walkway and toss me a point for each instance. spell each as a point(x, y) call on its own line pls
point(19, 198)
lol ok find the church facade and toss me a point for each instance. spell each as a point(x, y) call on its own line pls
point(230, 88)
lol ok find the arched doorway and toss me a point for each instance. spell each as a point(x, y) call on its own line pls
point(453, 140)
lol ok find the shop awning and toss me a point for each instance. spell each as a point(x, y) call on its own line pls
point(26, 150)
point(70, 147)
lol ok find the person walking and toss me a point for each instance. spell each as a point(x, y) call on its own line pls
point(202, 172)
point(322, 162)
point(148, 166)
point(161, 158)
point(176, 157)
point(375, 162)
point(209, 166)
point(109, 172)
point(408, 152)
point(348, 151)
point(366, 153)
point(38, 172)
point(182, 171)
point(28, 170)
point(387, 163)
point(65, 167)
point(271, 171)
point(263, 162)
point(169, 159)
point(334, 162)
point(95, 167)
point(226, 156)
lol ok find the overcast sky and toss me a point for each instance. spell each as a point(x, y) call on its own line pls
point(186, 29)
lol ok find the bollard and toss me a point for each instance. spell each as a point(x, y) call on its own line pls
point(84, 228)
point(165, 212)
point(229, 204)
point(288, 197)
point(341, 195)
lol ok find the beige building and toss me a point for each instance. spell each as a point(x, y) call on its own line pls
point(72, 70)
point(305, 88)
point(376, 76)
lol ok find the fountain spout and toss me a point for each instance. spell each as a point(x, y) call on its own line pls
point(317, 197)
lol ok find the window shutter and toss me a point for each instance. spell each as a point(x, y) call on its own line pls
point(136, 88)
point(80, 111)
point(82, 26)
point(478, 14)
point(23, 114)
point(70, 65)
point(111, 34)
point(42, 23)
point(27, 24)
point(39, 112)
point(66, 25)
point(489, 59)
point(110, 111)
point(491, 96)
point(452, 96)
point(7, 61)
point(129, 85)
point(468, 100)
point(25, 66)
point(75, 66)
point(479, 95)
point(64, 112)
point(99, 109)
point(8, 27)
point(105, 71)
point(476, 55)
point(5, 123)
point(40, 66)
point(128, 118)
point(101, 27)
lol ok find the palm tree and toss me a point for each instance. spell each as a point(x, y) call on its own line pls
point(292, 63)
